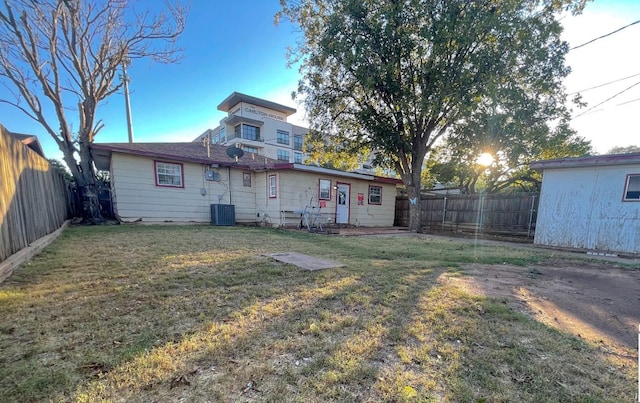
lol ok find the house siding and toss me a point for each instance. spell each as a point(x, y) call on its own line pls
point(583, 208)
point(300, 189)
point(139, 198)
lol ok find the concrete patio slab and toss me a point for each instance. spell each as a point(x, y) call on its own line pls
point(304, 261)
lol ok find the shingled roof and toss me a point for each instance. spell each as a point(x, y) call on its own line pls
point(185, 152)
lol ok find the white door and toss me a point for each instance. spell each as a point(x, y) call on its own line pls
point(342, 206)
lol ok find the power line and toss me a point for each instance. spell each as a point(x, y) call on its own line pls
point(605, 35)
point(602, 85)
point(628, 102)
point(607, 100)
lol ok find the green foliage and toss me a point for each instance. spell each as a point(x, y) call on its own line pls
point(63, 169)
point(512, 142)
point(624, 150)
point(397, 77)
point(321, 151)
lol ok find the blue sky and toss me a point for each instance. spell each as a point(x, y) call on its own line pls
point(235, 46)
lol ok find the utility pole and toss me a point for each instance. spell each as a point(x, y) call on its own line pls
point(125, 63)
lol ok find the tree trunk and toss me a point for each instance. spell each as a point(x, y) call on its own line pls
point(85, 179)
point(415, 212)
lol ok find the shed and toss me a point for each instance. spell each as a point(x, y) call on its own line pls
point(590, 203)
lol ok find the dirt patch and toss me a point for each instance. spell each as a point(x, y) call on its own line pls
point(597, 302)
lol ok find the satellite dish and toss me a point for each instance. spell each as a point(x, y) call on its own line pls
point(235, 152)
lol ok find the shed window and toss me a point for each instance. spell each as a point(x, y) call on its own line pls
point(375, 194)
point(168, 174)
point(324, 191)
point(632, 188)
point(273, 192)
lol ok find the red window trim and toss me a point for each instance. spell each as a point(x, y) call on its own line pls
point(275, 196)
point(155, 174)
point(320, 190)
point(369, 198)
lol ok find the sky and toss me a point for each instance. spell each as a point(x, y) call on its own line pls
point(235, 46)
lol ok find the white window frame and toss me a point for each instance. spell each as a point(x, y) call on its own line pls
point(379, 195)
point(163, 171)
point(273, 186)
point(636, 183)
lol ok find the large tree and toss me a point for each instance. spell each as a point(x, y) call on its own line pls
point(513, 134)
point(397, 75)
point(61, 58)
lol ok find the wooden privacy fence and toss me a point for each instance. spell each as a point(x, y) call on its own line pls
point(34, 197)
point(511, 214)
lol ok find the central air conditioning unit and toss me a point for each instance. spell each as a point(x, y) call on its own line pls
point(223, 214)
point(212, 176)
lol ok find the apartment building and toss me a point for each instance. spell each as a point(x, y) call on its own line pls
point(259, 126)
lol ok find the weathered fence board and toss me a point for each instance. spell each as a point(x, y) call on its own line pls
point(497, 213)
point(34, 198)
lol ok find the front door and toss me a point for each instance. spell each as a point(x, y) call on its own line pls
point(342, 206)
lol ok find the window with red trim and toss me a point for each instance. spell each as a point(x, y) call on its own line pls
point(375, 194)
point(273, 188)
point(324, 189)
point(169, 174)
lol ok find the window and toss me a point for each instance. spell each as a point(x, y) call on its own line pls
point(273, 192)
point(249, 149)
point(324, 189)
point(246, 179)
point(632, 188)
point(283, 137)
point(223, 135)
point(283, 155)
point(216, 139)
point(297, 158)
point(247, 132)
point(168, 174)
point(297, 142)
point(375, 194)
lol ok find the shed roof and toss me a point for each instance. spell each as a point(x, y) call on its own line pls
point(29, 140)
point(588, 161)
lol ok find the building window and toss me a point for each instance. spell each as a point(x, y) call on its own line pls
point(297, 158)
point(632, 188)
point(324, 189)
point(247, 132)
point(273, 190)
point(216, 139)
point(297, 142)
point(375, 194)
point(223, 135)
point(283, 137)
point(249, 149)
point(168, 174)
point(246, 179)
point(283, 155)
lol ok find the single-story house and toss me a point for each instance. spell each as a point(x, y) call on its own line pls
point(179, 182)
point(590, 203)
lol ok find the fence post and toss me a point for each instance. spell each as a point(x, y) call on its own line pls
point(533, 205)
point(444, 212)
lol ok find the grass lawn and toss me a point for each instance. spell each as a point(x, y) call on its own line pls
point(194, 313)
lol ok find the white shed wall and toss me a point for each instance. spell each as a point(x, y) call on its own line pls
point(583, 208)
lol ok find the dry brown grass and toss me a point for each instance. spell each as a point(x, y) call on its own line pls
point(129, 313)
